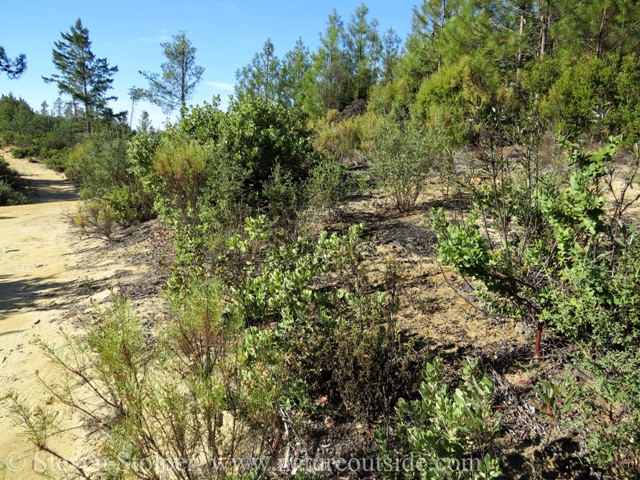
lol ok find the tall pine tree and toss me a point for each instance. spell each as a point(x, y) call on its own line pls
point(81, 75)
point(175, 85)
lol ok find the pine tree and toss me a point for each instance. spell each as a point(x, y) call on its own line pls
point(326, 84)
point(144, 123)
point(261, 77)
point(13, 68)
point(82, 76)
point(135, 94)
point(363, 49)
point(295, 64)
point(175, 85)
point(390, 55)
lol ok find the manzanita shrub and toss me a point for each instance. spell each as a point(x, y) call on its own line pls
point(530, 242)
point(560, 249)
point(447, 432)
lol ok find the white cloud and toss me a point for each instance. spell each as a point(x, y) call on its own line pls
point(221, 85)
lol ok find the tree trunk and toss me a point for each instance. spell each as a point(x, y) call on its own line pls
point(544, 31)
point(523, 22)
point(539, 340)
point(600, 38)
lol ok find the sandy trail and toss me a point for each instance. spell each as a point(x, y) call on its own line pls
point(37, 279)
point(52, 280)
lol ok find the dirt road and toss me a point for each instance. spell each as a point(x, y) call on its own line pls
point(51, 280)
point(37, 275)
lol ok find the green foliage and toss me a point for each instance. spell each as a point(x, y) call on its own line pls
point(191, 393)
point(567, 259)
point(82, 76)
point(440, 427)
point(609, 408)
point(13, 68)
point(181, 164)
point(260, 135)
point(392, 98)
point(346, 64)
point(329, 185)
point(285, 200)
point(402, 157)
point(99, 166)
point(175, 85)
point(11, 190)
point(36, 134)
point(339, 340)
point(453, 97)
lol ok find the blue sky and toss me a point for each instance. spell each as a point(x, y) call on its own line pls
point(128, 34)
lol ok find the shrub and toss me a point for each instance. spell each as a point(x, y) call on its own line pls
point(100, 167)
point(329, 185)
point(335, 334)
point(567, 259)
point(402, 157)
point(20, 152)
point(255, 133)
point(11, 190)
point(10, 196)
point(440, 427)
point(95, 217)
point(181, 163)
point(392, 98)
point(452, 98)
point(285, 201)
point(190, 395)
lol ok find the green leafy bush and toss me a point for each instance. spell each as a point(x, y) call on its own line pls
point(100, 167)
point(11, 190)
point(402, 157)
point(440, 428)
point(255, 133)
point(566, 259)
point(329, 185)
point(35, 134)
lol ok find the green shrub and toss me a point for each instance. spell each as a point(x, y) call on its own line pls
point(402, 157)
point(191, 394)
point(568, 260)
point(101, 168)
point(11, 190)
point(441, 427)
point(10, 196)
point(452, 98)
point(20, 152)
point(255, 133)
point(182, 164)
point(95, 217)
point(58, 161)
point(329, 185)
point(285, 201)
point(340, 339)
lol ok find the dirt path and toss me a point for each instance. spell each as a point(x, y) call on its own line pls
point(37, 276)
point(51, 281)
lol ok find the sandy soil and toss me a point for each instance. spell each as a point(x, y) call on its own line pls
point(50, 281)
point(36, 278)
